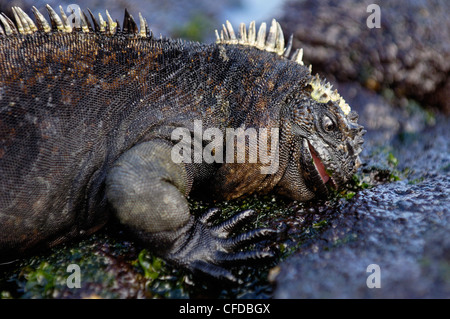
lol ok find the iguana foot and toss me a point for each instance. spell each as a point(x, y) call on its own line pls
point(208, 250)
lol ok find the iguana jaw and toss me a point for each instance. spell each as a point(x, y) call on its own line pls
point(320, 167)
point(318, 164)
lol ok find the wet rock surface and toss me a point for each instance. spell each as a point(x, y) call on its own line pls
point(401, 223)
point(401, 226)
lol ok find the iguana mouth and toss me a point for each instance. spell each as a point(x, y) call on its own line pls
point(324, 175)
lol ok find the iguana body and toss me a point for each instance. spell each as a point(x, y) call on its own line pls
point(86, 119)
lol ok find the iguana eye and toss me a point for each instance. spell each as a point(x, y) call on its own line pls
point(327, 124)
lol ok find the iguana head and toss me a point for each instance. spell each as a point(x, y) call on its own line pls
point(324, 142)
point(320, 139)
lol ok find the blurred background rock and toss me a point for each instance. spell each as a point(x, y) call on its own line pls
point(407, 58)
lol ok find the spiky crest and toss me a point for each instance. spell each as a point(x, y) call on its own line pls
point(60, 23)
point(274, 42)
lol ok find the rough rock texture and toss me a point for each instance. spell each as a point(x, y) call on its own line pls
point(402, 222)
point(402, 226)
point(409, 54)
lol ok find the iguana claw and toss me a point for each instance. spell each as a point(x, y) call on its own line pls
point(211, 250)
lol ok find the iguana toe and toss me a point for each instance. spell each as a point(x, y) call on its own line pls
point(222, 251)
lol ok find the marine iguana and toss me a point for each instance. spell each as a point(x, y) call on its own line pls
point(87, 115)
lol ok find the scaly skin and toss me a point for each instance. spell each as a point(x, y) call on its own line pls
point(86, 133)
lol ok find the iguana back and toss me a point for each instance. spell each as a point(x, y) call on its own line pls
point(71, 103)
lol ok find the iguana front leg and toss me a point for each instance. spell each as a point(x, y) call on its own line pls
point(147, 191)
